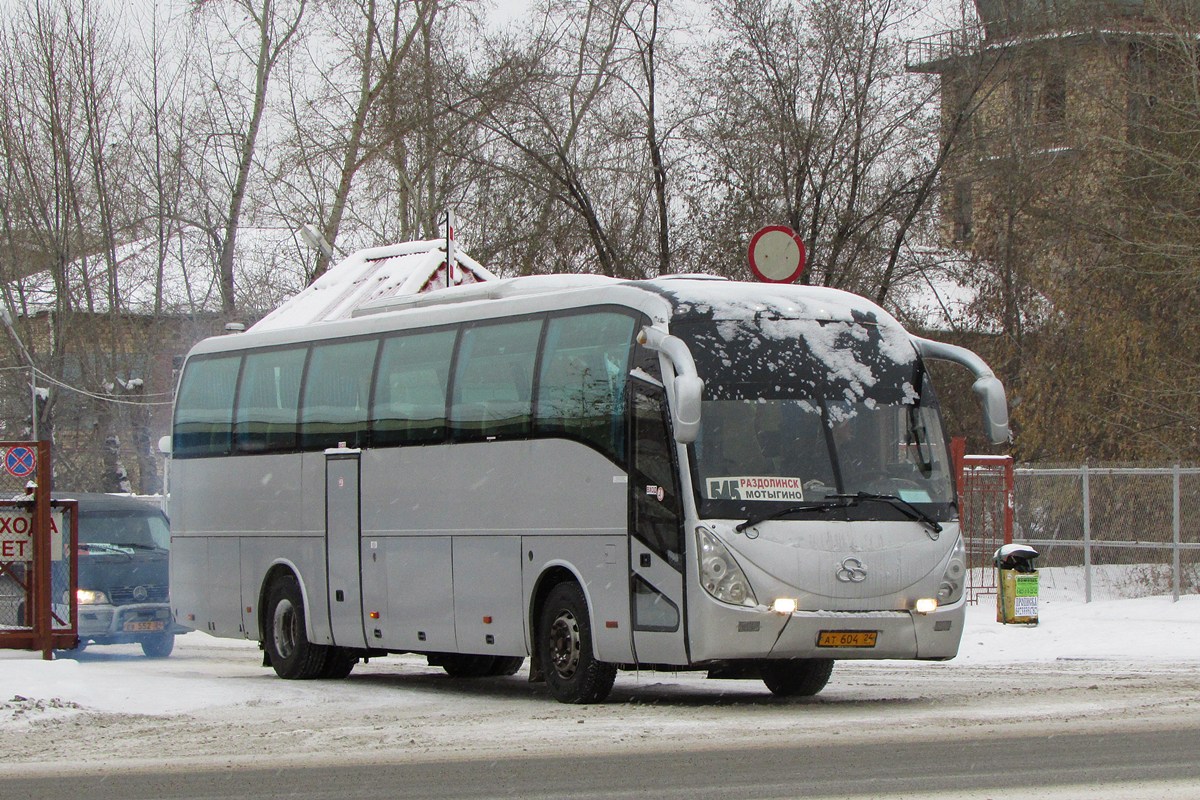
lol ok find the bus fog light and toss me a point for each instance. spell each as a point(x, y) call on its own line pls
point(926, 605)
point(720, 574)
point(784, 605)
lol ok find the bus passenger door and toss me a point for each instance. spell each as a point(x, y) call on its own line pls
point(656, 544)
point(342, 549)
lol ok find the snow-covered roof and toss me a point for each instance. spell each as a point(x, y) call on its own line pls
point(268, 268)
point(371, 276)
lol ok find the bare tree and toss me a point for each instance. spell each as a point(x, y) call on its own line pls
point(257, 33)
point(812, 122)
point(331, 105)
point(557, 135)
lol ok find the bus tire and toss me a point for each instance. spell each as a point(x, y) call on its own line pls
point(507, 665)
point(292, 656)
point(796, 677)
point(159, 646)
point(339, 663)
point(565, 641)
point(465, 665)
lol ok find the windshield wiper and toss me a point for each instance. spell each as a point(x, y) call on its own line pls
point(824, 505)
point(900, 504)
point(105, 546)
point(139, 546)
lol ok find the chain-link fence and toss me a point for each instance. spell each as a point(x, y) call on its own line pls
point(1112, 532)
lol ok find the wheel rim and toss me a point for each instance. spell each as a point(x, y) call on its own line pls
point(564, 644)
point(284, 628)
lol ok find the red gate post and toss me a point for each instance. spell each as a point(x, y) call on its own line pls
point(43, 557)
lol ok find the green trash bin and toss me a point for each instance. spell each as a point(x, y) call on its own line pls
point(1017, 594)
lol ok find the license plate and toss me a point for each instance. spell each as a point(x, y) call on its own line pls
point(156, 625)
point(847, 638)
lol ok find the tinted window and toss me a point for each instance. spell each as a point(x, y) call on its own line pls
point(204, 408)
point(657, 507)
point(267, 398)
point(337, 390)
point(410, 391)
point(581, 389)
point(493, 382)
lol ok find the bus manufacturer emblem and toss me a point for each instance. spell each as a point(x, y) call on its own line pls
point(851, 570)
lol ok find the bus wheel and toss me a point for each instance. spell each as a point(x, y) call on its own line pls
point(565, 640)
point(339, 662)
point(507, 665)
point(462, 665)
point(292, 655)
point(796, 677)
point(159, 646)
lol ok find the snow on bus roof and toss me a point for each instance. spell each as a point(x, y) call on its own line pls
point(820, 317)
point(370, 276)
point(741, 299)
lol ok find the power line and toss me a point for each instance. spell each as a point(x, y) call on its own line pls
point(108, 398)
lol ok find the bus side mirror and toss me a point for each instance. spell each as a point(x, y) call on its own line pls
point(164, 445)
point(995, 409)
point(688, 390)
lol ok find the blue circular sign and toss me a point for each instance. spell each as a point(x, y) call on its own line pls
point(20, 462)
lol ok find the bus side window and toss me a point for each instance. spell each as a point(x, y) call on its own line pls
point(268, 399)
point(409, 404)
point(204, 409)
point(336, 391)
point(493, 380)
point(581, 388)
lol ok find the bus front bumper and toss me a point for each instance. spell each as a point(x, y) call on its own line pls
point(755, 634)
point(867, 635)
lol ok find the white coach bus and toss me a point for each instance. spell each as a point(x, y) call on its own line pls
point(679, 473)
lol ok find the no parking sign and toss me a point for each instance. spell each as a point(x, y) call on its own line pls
point(20, 461)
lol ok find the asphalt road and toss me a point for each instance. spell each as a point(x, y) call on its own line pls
point(1145, 763)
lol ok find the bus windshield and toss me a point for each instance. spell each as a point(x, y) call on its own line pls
point(792, 425)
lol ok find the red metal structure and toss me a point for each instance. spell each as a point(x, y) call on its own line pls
point(38, 555)
point(985, 498)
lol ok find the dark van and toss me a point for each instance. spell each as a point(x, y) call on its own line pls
point(124, 544)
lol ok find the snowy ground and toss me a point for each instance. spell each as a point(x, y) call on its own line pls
point(1084, 667)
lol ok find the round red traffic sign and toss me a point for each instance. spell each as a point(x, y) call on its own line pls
point(776, 254)
point(20, 461)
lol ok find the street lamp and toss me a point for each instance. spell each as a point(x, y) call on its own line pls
point(6, 317)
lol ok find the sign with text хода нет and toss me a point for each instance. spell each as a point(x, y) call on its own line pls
point(16, 534)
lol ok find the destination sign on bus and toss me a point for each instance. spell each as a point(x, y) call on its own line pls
point(755, 487)
point(16, 535)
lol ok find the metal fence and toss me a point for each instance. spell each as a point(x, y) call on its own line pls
point(1112, 532)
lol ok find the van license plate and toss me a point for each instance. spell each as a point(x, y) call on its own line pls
point(134, 627)
point(847, 638)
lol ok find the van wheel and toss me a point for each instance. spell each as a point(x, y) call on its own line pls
point(292, 656)
point(796, 677)
point(157, 646)
point(565, 645)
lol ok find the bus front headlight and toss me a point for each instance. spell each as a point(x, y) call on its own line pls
point(950, 590)
point(720, 574)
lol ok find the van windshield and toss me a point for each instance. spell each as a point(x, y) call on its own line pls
point(136, 529)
